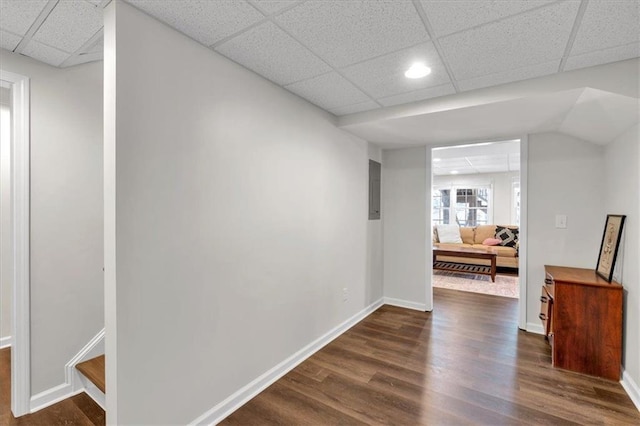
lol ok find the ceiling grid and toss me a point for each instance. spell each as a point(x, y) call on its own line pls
point(349, 56)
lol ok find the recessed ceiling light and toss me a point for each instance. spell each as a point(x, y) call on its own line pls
point(454, 172)
point(436, 159)
point(417, 70)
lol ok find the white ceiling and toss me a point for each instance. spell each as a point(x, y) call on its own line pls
point(349, 56)
point(490, 157)
point(593, 115)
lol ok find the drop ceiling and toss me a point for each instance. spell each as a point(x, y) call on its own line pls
point(489, 157)
point(349, 56)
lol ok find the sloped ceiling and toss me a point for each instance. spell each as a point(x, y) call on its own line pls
point(348, 56)
point(593, 115)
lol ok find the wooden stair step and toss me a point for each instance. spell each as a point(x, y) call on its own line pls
point(93, 369)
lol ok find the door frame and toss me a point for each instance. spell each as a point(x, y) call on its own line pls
point(523, 229)
point(20, 184)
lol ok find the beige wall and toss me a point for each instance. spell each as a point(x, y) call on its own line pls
point(622, 162)
point(566, 176)
point(240, 214)
point(404, 212)
point(66, 212)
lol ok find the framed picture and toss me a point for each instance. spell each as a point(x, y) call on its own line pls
point(609, 246)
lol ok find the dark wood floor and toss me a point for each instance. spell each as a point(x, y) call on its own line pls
point(78, 410)
point(465, 363)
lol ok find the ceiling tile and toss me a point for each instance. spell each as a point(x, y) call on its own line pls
point(418, 95)
point(272, 53)
point(352, 109)
point(70, 25)
point(273, 6)
point(346, 32)
point(9, 41)
point(98, 46)
point(82, 59)
point(527, 39)
point(203, 20)
point(608, 24)
point(384, 76)
point(447, 17)
point(509, 76)
point(614, 54)
point(16, 16)
point(45, 53)
point(328, 91)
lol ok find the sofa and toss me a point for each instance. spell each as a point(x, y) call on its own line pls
point(507, 257)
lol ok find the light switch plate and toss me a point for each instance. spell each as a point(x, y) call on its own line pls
point(561, 221)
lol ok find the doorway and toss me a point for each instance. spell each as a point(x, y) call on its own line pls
point(477, 204)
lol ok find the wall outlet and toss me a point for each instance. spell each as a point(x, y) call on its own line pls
point(561, 221)
point(345, 294)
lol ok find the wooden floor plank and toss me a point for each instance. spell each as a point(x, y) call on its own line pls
point(78, 410)
point(465, 363)
point(94, 370)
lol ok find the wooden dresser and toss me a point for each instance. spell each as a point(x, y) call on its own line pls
point(581, 314)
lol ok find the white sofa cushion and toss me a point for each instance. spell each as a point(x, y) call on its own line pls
point(449, 234)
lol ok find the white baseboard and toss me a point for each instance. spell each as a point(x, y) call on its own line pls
point(533, 327)
point(405, 304)
point(5, 342)
point(73, 384)
point(50, 397)
point(243, 395)
point(631, 387)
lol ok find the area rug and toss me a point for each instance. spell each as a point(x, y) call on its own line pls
point(505, 285)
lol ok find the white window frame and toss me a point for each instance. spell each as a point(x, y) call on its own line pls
point(454, 191)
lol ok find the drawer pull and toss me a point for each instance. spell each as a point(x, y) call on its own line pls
point(543, 299)
point(542, 316)
point(548, 281)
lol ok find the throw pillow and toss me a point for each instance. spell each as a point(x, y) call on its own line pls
point(491, 242)
point(449, 234)
point(508, 236)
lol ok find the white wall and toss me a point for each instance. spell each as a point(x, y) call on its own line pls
point(406, 194)
point(5, 218)
point(375, 251)
point(566, 176)
point(502, 190)
point(240, 215)
point(622, 189)
point(66, 212)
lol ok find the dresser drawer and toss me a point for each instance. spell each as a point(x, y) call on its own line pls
point(546, 302)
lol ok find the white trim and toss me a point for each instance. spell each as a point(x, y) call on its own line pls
point(534, 327)
point(405, 304)
point(5, 342)
point(92, 349)
point(109, 218)
point(51, 396)
point(631, 387)
point(94, 393)
point(20, 157)
point(74, 381)
point(523, 252)
point(244, 394)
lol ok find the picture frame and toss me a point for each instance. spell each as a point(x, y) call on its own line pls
point(609, 246)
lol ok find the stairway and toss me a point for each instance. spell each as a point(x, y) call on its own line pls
point(92, 372)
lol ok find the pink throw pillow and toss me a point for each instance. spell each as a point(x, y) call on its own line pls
point(491, 242)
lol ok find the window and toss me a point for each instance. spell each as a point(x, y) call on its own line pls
point(470, 207)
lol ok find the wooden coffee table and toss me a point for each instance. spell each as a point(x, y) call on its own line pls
point(468, 252)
